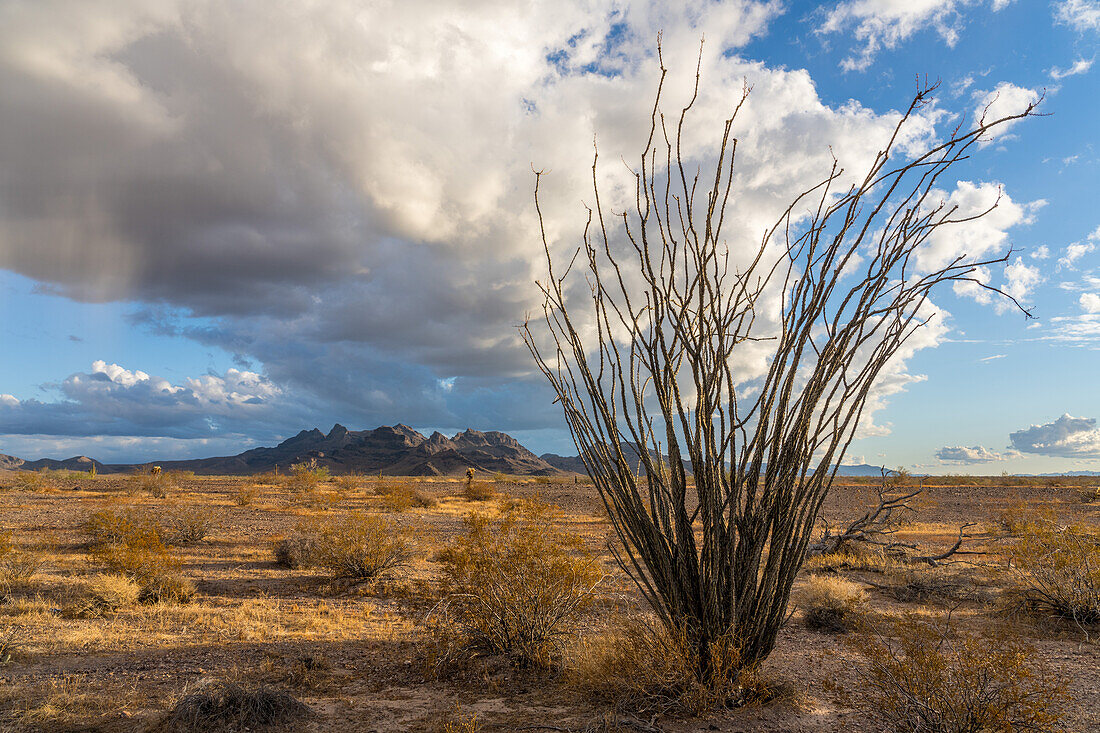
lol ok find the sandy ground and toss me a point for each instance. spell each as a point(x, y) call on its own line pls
point(353, 655)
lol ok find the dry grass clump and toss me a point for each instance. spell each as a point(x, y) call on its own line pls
point(457, 721)
point(636, 667)
point(187, 525)
point(17, 565)
point(928, 676)
point(514, 585)
point(9, 645)
point(167, 588)
point(227, 706)
point(832, 604)
point(1058, 572)
point(855, 556)
point(399, 496)
point(104, 594)
point(360, 547)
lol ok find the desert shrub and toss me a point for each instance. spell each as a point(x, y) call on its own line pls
point(129, 541)
point(307, 476)
point(399, 496)
point(299, 550)
point(221, 706)
point(268, 478)
point(832, 603)
point(32, 480)
point(348, 483)
point(120, 525)
point(360, 546)
point(246, 494)
point(363, 547)
point(636, 667)
point(514, 585)
point(478, 491)
point(157, 485)
point(187, 525)
point(167, 587)
point(1058, 572)
point(928, 677)
point(1089, 494)
point(1021, 518)
point(104, 594)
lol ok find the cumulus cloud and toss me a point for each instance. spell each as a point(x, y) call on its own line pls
point(1080, 66)
point(1067, 437)
point(1090, 302)
point(115, 401)
point(342, 192)
point(1004, 100)
point(1077, 250)
point(982, 236)
point(1082, 15)
point(876, 25)
point(1041, 253)
point(974, 454)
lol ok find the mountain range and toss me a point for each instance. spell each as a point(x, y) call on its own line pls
point(398, 450)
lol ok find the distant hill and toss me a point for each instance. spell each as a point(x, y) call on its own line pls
point(397, 450)
point(76, 463)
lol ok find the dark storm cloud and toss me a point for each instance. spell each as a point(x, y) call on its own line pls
point(343, 194)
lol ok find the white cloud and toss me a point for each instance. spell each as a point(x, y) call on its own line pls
point(992, 358)
point(1074, 252)
point(962, 454)
point(1068, 437)
point(1090, 302)
point(982, 237)
point(1041, 253)
point(1005, 100)
point(1020, 280)
point(1082, 15)
point(879, 24)
point(112, 400)
point(1080, 66)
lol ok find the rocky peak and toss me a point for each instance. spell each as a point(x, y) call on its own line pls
point(338, 431)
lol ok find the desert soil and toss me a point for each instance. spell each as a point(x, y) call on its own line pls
point(354, 654)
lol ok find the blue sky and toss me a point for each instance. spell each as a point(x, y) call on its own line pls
point(222, 224)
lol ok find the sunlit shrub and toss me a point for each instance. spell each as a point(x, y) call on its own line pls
point(307, 476)
point(926, 676)
point(105, 594)
point(1058, 572)
point(359, 546)
point(515, 585)
point(398, 496)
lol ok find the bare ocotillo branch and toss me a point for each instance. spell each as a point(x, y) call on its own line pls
point(650, 361)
